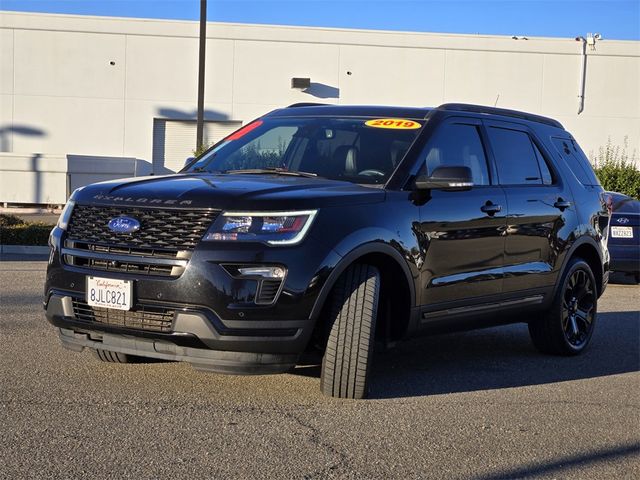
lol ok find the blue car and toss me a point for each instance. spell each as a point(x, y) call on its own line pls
point(624, 236)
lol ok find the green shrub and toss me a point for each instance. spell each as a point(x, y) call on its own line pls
point(203, 148)
point(25, 234)
point(616, 170)
point(14, 231)
point(7, 220)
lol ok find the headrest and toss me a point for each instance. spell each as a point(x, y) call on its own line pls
point(347, 156)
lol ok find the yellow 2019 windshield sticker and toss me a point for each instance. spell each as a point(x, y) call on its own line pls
point(396, 123)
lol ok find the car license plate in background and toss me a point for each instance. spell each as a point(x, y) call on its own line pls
point(622, 232)
point(109, 293)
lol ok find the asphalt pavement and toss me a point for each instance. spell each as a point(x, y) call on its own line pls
point(475, 405)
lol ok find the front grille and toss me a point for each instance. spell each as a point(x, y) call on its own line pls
point(125, 267)
point(160, 228)
point(161, 246)
point(125, 259)
point(144, 317)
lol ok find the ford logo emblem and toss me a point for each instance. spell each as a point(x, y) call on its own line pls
point(124, 225)
point(622, 220)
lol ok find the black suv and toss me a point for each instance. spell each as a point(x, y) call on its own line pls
point(321, 228)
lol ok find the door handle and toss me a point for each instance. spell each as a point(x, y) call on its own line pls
point(490, 208)
point(561, 204)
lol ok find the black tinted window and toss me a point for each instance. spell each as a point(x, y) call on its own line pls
point(359, 150)
point(515, 157)
point(457, 145)
point(576, 161)
point(547, 178)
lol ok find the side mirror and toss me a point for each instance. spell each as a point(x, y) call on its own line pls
point(446, 178)
point(188, 161)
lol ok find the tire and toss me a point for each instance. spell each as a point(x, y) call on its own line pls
point(352, 320)
point(115, 357)
point(567, 327)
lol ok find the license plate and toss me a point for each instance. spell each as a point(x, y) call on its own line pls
point(622, 232)
point(109, 293)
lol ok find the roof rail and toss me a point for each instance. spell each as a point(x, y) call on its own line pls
point(464, 107)
point(306, 104)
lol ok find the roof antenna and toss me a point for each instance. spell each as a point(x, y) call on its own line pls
point(496, 102)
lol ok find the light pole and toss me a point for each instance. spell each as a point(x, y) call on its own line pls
point(201, 64)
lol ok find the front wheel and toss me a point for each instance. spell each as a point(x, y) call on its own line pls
point(352, 319)
point(567, 327)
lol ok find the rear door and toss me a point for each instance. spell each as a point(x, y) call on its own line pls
point(540, 209)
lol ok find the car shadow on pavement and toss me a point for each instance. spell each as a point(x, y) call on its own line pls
point(565, 465)
point(494, 358)
point(501, 357)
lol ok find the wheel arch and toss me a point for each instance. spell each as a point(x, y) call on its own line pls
point(395, 273)
point(587, 249)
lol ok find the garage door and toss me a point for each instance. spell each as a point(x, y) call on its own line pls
point(174, 141)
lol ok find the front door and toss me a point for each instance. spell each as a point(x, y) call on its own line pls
point(461, 232)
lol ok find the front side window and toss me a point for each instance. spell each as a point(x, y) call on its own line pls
point(357, 150)
point(516, 158)
point(457, 145)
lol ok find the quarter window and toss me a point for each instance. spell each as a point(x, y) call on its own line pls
point(575, 160)
point(457, 145)
point(517, 158)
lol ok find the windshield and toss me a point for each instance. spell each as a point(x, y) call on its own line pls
point(359, 150)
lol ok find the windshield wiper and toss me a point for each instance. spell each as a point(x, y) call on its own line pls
point(276, 170)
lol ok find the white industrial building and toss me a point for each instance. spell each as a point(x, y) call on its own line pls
point(89, 98)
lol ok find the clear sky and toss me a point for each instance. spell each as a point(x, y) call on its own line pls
point(614, 19)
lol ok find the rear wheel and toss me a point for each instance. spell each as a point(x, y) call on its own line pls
point(352, 317)
point(567, 327)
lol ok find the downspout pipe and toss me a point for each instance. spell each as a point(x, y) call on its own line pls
point(583, 73)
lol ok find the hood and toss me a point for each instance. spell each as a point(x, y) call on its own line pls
point(229, 191)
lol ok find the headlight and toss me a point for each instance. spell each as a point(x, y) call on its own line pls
point(65, 216)
point(275, 228)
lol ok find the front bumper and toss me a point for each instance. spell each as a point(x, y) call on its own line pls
point(215, 322)
point(193, 338)
point(243, 363)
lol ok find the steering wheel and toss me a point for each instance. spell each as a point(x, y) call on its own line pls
point(372, 173)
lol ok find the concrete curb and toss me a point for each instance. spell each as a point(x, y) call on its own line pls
point(24, 249)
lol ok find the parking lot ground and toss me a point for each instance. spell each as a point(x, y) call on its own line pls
point(475, 405)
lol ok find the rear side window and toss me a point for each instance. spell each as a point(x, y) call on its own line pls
point(547, 178)
point(576, 160)
point(517, 158)
point(457, 145)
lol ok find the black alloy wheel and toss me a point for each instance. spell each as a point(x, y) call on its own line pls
point(578, 308)
point(567, 327)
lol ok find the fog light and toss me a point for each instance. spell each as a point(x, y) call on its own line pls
point(264, 272)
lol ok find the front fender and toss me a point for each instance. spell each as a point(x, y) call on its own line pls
point(378, 246)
